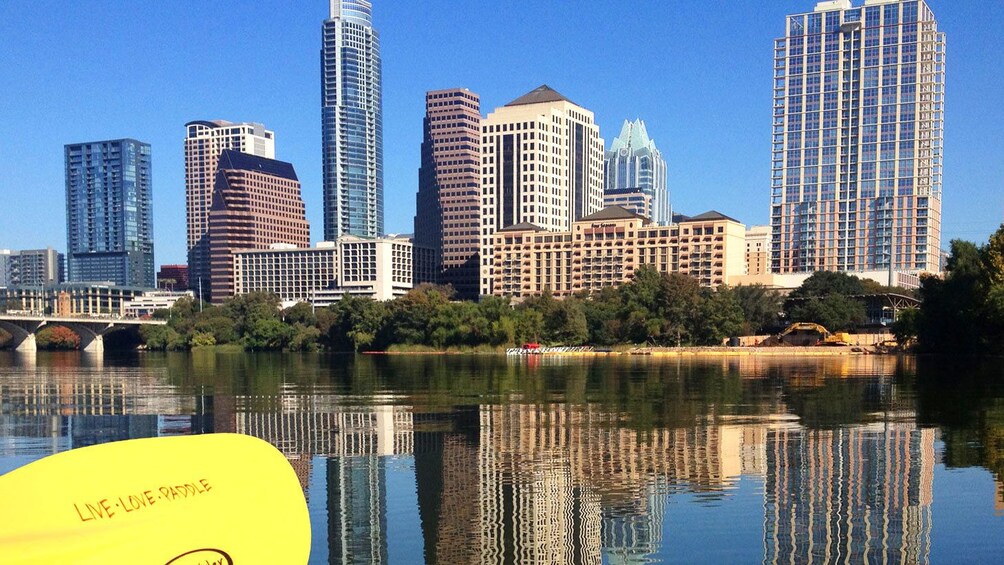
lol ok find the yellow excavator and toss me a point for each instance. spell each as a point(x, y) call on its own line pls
point(808, 333)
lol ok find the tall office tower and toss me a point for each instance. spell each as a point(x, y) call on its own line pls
point(204, 141)
point(542, 164)
point(634, 165)
point(256, 203)
point(857, 139)
point(351, 122)
point(6, 256)
point(448, 205)
point(109, 220)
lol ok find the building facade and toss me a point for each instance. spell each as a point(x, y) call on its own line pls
point(857, 139)
point(631, 199)
point(542, 164)
point(173, 277)
point(757, 250)
point(379, 268)
point(109, 218)
point(256, 203)
point(606, 248)
point(634, 165)
point(31, 267)
point(448, 205)
point(351, 122)
point(204, 141)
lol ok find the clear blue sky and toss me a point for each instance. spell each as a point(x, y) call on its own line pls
point(698, 73)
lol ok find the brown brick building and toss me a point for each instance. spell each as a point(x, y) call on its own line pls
point(448, 205)
point(256, 203)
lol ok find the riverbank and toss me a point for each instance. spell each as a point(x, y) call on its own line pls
point(834, 351)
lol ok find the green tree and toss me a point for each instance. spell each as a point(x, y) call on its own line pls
point(201, 339)
point(760, 307)
point(267, 334)
point(300, 313)
point(354, 323)
point(305, 338)
point(720, 316)
point(159, 338)
point(835, 312)
point(825, 283)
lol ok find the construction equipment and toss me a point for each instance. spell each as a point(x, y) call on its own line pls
point(808, 333)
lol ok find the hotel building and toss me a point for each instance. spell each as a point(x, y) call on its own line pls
point(857, 139)
point(351, 122)
point(256, 203)
point(542, 164)
point(204, 141)
point(757, 250)
point(448, 205)
point(380, 269)
point(109, 216)
point(634, 173)
point(605, 248)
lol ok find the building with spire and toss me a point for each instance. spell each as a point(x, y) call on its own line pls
point(351, 122)
point(542, 164)
point(857, 139)
point(634, 174)
point(448, 204)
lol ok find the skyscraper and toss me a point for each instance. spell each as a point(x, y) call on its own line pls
point(633, 165)
point(256, 203)
point(857, 139)
point(351, 122)
point(542, 164)
point(109, 220)
point(204, 141)
point(448, 205)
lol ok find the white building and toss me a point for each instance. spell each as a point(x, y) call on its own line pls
point(541, 164)
point(377, 268)
point(151, 301)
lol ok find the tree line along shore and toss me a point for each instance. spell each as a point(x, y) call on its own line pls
point(960, 313)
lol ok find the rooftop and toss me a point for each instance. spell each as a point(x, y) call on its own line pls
point(230, 159)
point(614, 212)
point(540, 95)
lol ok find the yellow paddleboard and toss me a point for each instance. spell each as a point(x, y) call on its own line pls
point(204, 499)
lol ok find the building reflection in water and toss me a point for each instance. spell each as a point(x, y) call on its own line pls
point(851, 495)
point(527, 482)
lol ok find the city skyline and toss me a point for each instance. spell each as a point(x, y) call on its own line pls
point(720, 165)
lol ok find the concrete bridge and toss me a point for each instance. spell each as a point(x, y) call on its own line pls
point(90, 329)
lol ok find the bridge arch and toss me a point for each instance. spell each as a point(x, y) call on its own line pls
point(22, 333)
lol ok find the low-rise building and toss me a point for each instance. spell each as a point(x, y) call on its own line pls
point(605, 248)
point(71, 299)
point(377, 268)
point(149, 302)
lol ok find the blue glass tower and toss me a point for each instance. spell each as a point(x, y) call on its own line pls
point(351, 122)
point(634, 165)
point(109, 220)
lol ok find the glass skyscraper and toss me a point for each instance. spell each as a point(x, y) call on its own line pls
point(109, 223)
point(351, 122)
point(634, 165)
point(857, 139)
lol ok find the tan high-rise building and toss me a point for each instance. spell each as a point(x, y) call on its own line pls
point(757, 250)
point(204, 141)
point(448, 205)
point(541, 164)
point(256, 203)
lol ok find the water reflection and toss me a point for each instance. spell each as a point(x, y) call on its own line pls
point(537, 461)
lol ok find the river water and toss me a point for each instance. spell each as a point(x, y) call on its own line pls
point(488, 459)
